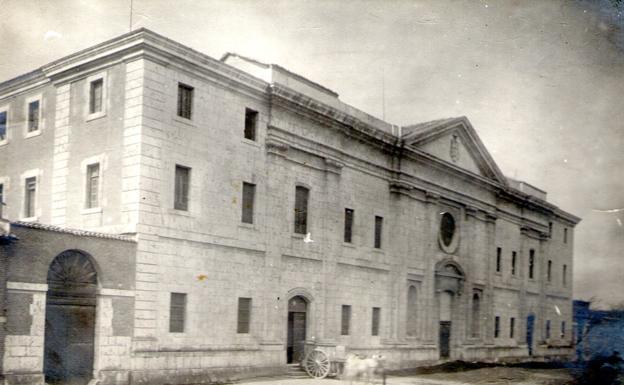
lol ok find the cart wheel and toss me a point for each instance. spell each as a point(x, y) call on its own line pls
point(317, 364)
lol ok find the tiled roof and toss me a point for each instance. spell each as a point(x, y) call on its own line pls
point(82, 233)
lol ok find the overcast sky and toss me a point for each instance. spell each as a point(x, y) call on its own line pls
point(542, 81)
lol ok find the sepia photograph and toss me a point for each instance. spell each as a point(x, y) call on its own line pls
point(292, 192)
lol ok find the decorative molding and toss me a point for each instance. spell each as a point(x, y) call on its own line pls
point(432, 197)
point(472, 211)
point(27, 286)
point(276, 147)
point(490, 217)
point(333, 166)
point(400, 187)
point(104, 292)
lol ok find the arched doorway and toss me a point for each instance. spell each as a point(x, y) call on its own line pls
point(70, 319)
point(449, 284)
point(297, 316)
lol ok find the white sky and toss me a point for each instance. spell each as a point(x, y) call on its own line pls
point(541, 81)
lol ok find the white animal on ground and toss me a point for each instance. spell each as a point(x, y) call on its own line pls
point(362, 368)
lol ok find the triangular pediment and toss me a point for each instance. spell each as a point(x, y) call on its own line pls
point(456, 142)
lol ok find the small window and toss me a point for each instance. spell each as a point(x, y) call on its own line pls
point(411, 326)
point(182, 185)
point(513, 263)
point(531, 263)
point(496, 327)
point(30, 196)
point(251, 123)
point(185, 101)
point(550, 229)
point(512, 327)
point(244, 315)
point(1, 199)
point(96, 90)
point(476, 315)
point(547, 329)
point(563, 329)
point(33, 116)
point(565, 235)
point(249, 193)
point(378, 231)
point(3, 125)
point(549, 271)
point(301, 209)
point(376, 320)
point(348, 225)
point(177, 312)
point(499, 253)
point(93, 184)
point(564, 278)
point(345, 320)
point(447, 229)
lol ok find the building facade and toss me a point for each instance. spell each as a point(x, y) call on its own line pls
point(269, 215)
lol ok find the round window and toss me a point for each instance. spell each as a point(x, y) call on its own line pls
point(448, 233)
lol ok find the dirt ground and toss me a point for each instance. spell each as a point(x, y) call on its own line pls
point(492, 376)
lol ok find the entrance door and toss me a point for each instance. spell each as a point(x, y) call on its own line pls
point(70, 320)
point(297, 314)
point(445, 339)
point(529, 332)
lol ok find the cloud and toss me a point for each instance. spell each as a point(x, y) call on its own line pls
point(51, 35)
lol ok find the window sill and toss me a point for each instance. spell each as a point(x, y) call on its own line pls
point(298, 236)
point(92, 210)
point(182, 213)
point(349, 245)
point(186, 121)
point(32, 134)
point(249, 226)
point(95, 115)
point(29, 219)
point(250, 142)
point(379, 251)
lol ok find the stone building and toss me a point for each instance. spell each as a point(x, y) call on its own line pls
point(266, 214)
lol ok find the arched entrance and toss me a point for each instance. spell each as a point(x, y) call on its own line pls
point(449, 283)
point(70, 319)
point(297, 316)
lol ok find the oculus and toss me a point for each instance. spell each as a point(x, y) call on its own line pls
point(448, 237)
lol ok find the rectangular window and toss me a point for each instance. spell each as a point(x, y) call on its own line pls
point(93, 184)
point(1, 199)
point(348, 225)
point(531, 263)
point(96, 89)
point(3, 125)
point(564, 278)
point(301, 209)
point(182, 185)
point(376, 320)
point(499, 253)
point(345, 320)
point(563, 329)
point(513, 263)
point(565, 235)
point(547, 329)
point(244, 315)
point(550, 228)
point(549, 271)
point(30, 192)
point(177, 312)
point(512, 327)
point(251, 122)
point(33, 116)
point(496, 327)
point(185, 100)
point(378, 231)
point(249, 193)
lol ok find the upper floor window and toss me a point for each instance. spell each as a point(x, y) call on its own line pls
point(496, 327)
point(531, 263)
point(301, 209)
point(547, 329)
point(563, 329)
point(378, 231)
point(34, 116)
point(499, 262)
point(376, 321)
point(30, 192)
point(249, 193)
point(476, 315)
point(96, 96)
point(1, 199)
point(549, 271)
point(345, 323)
point(177, 312)
point(550, 229)
point(411, 327)
point(565, 235)
point(244, 315)
point(3, 125)
point(348, 225)
point(564, 278)
point(513, 263)
point(512, 327)
point(182, 186)
point(185, 100)
point(93, 186)
point(251, 122)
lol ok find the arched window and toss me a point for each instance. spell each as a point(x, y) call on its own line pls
point(411, 320)
point(476, 315)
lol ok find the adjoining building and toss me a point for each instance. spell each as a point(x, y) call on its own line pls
point(265, 215)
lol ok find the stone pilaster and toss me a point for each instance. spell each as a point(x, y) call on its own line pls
point(60, 159)
point(431, 311)
point(489, 289)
